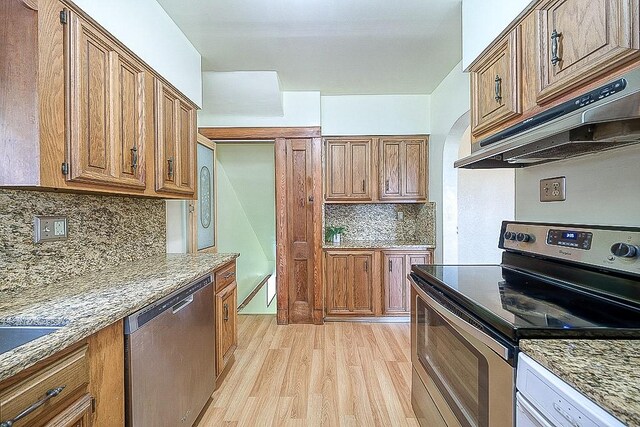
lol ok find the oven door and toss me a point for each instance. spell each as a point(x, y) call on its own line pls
point(465, 372)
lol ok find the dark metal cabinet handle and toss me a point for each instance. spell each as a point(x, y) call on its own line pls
point(229, 274)
point(226, 311)
point(555, 59)
point(170, 167)
point(366, 266)
point(48, 395)
point(386, 185)
point(363, 185)
point(310, 199)
point(498, 88)
point(390, 266)
point(134, 157)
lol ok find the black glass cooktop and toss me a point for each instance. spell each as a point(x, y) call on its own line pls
point(524, 306)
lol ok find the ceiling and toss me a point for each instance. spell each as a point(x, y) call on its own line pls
point(338, 47)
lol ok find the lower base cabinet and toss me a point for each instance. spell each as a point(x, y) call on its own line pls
point(397, 292)
point(77, 414)
point(226, 302)
point(369, 282)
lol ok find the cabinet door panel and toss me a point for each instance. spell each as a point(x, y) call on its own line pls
point(186, 136)
point(414, 170)
point(89, 58)
point(360, 170)
point(77, 414)
point(390, 183)
point(361, 289)
point(131, 120)
point(226, 326)
point(495, 86)
point(582, 40)
point(395, 284)
point(337, 270)
point(414, 259)
point(336, 170)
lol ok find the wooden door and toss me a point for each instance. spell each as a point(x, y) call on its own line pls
point(414, 181)
point(414, 259)
point(348, 170)
point(495, 84)
point(300, 221)
point(226, 325)
point(89, 57)
point(390, 175)
point(175, 142)
point(360, 298)
point(130, 121)
point(337, 283)
point(395, 284)
point(581, 40)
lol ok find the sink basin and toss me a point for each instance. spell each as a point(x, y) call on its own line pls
point(14, 336)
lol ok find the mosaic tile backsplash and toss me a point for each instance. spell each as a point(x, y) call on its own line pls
point(103, 231)
point(380, 221)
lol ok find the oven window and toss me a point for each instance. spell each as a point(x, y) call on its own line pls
point(457, 368)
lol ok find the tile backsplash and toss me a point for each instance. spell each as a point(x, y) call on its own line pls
point(380, 221)
point(103, 231)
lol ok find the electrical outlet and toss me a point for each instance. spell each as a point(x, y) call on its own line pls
point(553, 189)
point(48, 228)
point(400, 215)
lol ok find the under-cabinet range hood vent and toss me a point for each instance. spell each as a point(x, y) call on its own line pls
point(602, 119)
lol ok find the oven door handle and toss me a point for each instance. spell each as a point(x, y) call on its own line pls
point(458, 323)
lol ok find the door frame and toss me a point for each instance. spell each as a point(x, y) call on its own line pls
point(280, 135)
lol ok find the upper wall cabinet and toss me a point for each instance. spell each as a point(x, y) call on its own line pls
point(175, 142)
point(78, 112)
point(348, 174)
point(580, 40)
point(495, 85)
point(106, 109)
point(403, 170)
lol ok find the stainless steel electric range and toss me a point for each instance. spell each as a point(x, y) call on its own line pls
point(555, 281)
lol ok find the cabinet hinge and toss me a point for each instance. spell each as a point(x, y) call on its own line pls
point(63, 16)
point(65, 168)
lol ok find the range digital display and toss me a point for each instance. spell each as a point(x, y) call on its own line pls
point(570, 238)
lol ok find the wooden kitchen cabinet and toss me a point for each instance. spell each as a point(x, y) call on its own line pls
point(175, 141)
point(89, 377)
point(581, 40)
point(397, 290)
point(78, 112)
point(106, 108)
point(226, 323)
point(403, 169)
point(350, 283)
point(348, 169)
point(495, 85)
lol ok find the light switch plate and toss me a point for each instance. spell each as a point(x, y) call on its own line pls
point(553, 189)
point(47, 228)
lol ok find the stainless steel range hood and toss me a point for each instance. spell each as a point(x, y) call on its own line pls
point(602, 119)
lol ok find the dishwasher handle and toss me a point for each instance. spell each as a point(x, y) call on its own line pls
point(182, 304)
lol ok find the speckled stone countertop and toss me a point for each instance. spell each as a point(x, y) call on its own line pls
point(90, 302)
point(378, 244)
point(606, 371)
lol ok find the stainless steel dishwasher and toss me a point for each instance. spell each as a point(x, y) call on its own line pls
point(170, 358)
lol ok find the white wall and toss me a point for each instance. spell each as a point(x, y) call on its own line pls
point(602, 188)
point(483, 21)
point(144, 27)
point(176, 226)
point(300, 109)
point(375, 115)
point(449, 102)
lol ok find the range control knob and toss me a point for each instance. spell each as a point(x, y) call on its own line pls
point(523, 237)
point(624, 250)
point(508, 235)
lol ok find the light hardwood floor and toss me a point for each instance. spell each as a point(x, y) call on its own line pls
point(338, 374)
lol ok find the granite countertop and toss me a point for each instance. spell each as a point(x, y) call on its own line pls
point(378, 244)
point(88, 303)
point(606, 371)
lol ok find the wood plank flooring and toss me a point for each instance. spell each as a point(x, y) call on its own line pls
point(338, 374)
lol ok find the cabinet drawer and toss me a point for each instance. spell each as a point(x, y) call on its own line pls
point(71, 372)
point(225, 276)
